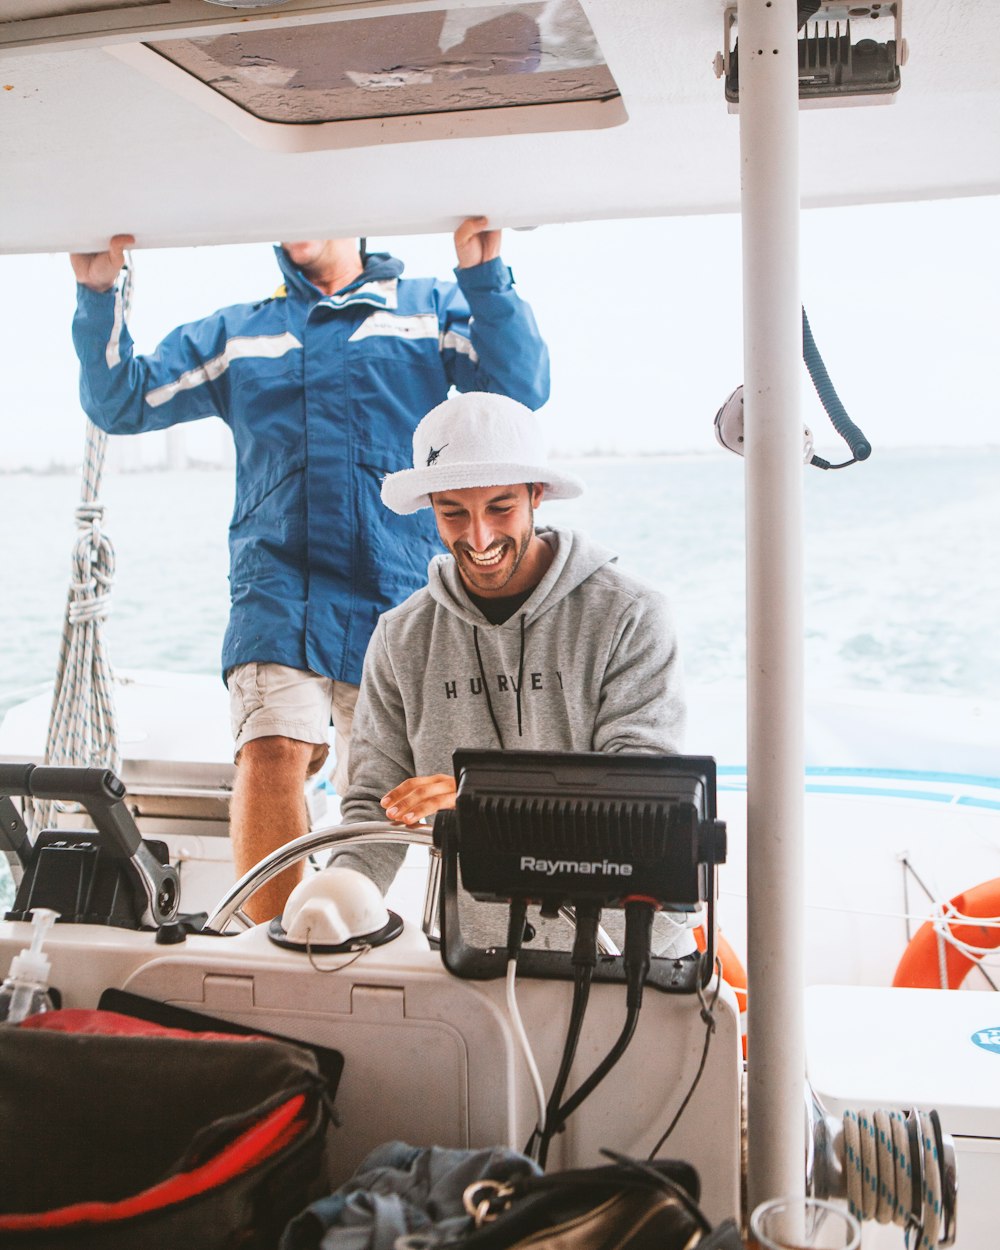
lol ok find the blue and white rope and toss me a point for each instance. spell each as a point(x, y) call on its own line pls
point(878, 1166)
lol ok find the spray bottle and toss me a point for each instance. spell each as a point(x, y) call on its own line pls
point(25, 991)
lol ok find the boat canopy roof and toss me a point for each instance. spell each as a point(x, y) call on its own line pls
point(188, 122)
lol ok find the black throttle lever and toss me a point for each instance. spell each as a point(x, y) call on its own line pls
point(101, 793)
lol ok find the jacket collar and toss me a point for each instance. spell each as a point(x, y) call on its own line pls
point(376, 285)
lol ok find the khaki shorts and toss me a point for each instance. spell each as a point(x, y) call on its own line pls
point(268, 700)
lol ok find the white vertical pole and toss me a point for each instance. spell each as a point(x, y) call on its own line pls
point(773, 446)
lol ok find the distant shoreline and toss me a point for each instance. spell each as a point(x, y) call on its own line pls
point(596, 453)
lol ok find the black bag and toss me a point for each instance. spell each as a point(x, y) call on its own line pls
point(627, 1205)
point(429, 1198)
point(116, 1133)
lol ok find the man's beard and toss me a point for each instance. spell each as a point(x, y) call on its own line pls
point(471, 571)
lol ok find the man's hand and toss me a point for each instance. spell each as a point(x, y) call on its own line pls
point(418, 797)
point(475, 243)
point(99, 270)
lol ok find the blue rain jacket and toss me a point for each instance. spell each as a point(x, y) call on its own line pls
point(322, 394)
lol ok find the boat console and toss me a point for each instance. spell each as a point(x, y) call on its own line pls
point(434, 1058)
point(422, 1029)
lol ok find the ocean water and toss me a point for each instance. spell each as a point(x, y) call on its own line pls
point(902, 565)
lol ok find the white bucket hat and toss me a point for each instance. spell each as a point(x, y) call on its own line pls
point(475, 439)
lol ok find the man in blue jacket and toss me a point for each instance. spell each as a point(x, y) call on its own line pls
point(322, 386)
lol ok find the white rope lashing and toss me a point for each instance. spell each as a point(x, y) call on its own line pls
point(879, 1166)
point(83, 729)
point(947, 916)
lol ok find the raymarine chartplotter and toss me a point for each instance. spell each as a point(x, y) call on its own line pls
point(563, 828)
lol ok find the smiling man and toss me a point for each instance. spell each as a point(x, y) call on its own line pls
point(524, 637)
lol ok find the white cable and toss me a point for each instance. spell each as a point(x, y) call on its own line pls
point(933, 917)
point(526, 1051)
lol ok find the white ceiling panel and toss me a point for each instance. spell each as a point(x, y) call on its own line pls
point(92, 144)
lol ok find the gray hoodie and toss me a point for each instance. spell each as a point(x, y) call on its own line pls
point(588, 663)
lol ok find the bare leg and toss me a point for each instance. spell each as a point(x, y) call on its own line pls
point(268, 810)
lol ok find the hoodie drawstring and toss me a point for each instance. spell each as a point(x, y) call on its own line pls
point(486, 685)
point(520, 679)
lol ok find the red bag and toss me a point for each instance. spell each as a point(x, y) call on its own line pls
point(119, 1133)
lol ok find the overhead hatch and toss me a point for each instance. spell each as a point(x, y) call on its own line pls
point(306, 76)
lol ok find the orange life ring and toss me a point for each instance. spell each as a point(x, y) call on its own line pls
point(733, 973)
point(920, 967)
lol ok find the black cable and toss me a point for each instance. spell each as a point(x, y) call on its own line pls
point(584, 960)
point(820, 463)
point(638, 931)
point(638, 947)
point(581, 995)
point(708, 1015)
point(600, 1072)
point(516, 917)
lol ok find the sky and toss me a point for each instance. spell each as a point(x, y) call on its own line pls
point(642, 318)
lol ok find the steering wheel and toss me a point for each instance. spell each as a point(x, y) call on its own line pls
point(229, 910)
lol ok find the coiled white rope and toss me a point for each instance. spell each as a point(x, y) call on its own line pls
point(83, 728)
point(879, 1165)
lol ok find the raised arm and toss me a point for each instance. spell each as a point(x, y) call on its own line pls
point(489, 340)
point(128, 394)
point(98, 271)
point(476, 243)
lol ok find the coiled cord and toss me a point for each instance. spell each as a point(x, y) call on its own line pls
point(860, 447)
